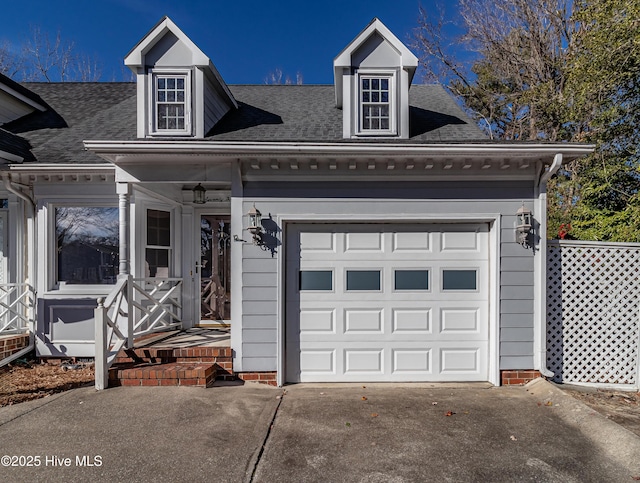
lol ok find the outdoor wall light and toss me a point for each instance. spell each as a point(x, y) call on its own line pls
point(255, 224)
point(523, 226)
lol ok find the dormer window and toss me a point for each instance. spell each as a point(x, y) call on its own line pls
point(376, 106)
point(171, 106)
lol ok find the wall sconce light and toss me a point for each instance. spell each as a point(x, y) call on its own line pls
point(523, 225)
point(199, 195)
point(255, 224)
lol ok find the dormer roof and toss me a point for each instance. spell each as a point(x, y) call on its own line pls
point(136, 57)
point(344, 60)
point(166, 29)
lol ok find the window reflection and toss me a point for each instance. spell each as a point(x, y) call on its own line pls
point(87, 244)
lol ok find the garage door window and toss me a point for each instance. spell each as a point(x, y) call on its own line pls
point(363, 280)
point(459, 280)
point(411, 279)
point(316, 280)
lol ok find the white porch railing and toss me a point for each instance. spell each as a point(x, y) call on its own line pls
point(135, 307)
point(17, 302)
point(17, 315)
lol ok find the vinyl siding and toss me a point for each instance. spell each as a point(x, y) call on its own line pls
point(259, 323)
point(214, 107)
point(516, 299)
point(366, 200)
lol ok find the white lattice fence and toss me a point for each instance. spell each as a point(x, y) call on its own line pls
point(593, 312)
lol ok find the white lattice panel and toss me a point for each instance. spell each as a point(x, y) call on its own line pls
point(593, 328)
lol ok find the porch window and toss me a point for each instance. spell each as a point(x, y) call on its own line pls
point(158, 250)
point(87, 245)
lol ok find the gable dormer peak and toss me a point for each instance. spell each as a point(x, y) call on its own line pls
point(137, 56)
point(348, 58)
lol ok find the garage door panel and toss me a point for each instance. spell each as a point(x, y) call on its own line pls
point(318, 321)
point(418, 242)
point(318, 361)
point(393, 303)
point(363, 242)
point(363, 321)
point(460, 241)
point(412, 361)
point(317, 242)
point(412, 321)
point(459, 321)
point(460, 360)
point(363, 361)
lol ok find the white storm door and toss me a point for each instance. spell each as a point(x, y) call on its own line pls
point(213, 274)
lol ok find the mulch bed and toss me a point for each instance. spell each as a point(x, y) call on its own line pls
point(27, 380)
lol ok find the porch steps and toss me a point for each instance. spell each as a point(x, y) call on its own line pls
point(158, 366)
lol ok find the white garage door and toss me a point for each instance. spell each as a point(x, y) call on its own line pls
point(387, 302)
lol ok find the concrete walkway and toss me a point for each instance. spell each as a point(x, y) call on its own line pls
point(335, 433)
point(140, 434)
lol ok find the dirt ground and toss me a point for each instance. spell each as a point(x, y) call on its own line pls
point(27, 380)
point(621, 407)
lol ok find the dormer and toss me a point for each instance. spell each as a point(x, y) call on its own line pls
point(372, 78)
point(180, 92)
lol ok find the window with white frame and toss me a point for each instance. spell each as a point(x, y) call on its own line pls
point(158, 250)
point(376, 104)
point(171, 103)
point(87, 245)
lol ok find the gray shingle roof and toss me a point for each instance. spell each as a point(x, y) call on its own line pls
point(306, 113)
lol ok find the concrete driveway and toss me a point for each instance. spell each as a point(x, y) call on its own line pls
point(376, 433)
point(461, 433)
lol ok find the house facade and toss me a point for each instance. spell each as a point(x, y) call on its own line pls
point(361, 231)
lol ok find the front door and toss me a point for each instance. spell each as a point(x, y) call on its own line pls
point(214, 273)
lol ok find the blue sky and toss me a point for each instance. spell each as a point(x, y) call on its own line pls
point(245, 39)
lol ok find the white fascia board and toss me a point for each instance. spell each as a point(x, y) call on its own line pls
point(135, 58)
point(12, 158)
point(102, 168)
point(116, 151)
point(22, 98)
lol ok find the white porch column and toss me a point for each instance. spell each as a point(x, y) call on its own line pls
point(124, 194)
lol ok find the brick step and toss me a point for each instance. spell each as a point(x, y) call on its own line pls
point(168, 354)
point(199, 374)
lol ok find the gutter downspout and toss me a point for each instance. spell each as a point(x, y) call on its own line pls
point(542, 197)
point(6, 177)
point(553, 169)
